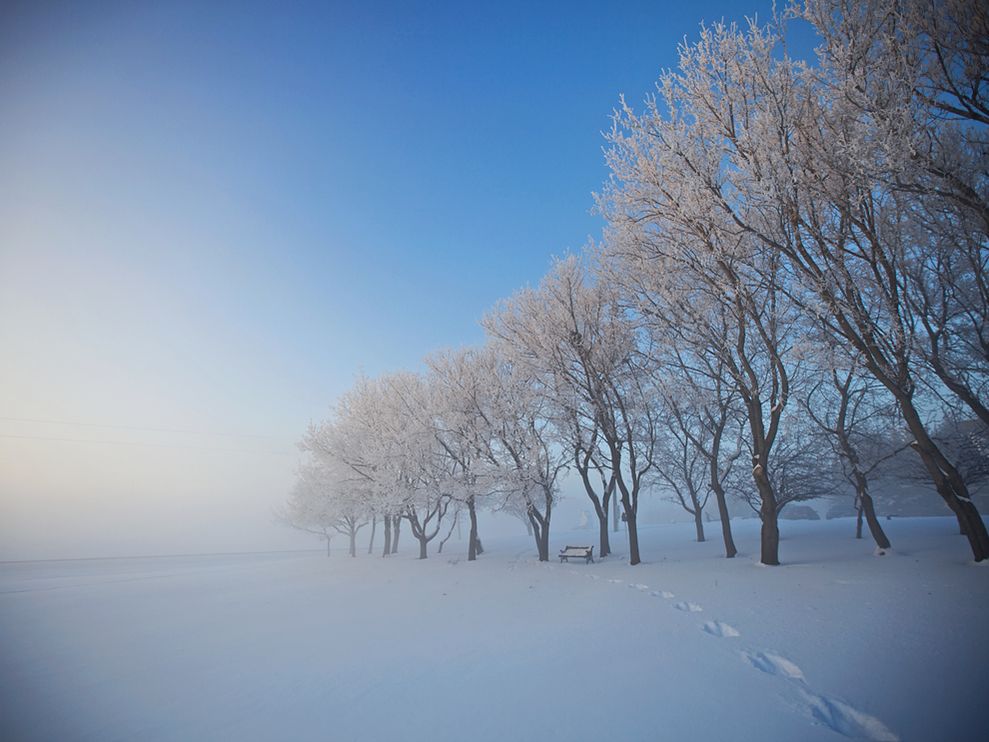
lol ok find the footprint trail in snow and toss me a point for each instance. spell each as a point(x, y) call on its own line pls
point(717, 628)
point(847, 720)
point(773, 664)
point(832, 712)
point(688, 607)
point(662, 594)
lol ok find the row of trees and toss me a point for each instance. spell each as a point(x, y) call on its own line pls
point(794, 264)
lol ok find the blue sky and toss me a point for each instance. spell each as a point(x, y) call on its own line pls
point(213, 215)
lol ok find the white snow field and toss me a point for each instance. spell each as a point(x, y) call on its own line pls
point(835, 644)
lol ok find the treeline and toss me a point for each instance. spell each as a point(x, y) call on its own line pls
point(791, 288)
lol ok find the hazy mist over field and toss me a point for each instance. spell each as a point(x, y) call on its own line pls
point(209, 225)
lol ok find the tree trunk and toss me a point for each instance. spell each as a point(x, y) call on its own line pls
point(947, 481)
point(387, 550)
point(867, 508)
point(540, 532)
point(422, 548)
point(534, 530)
point(863, 499)
point(769, 541)
point(396, 528)
point(327, 546)
point(374, 526)
point(540, 523)
point(353, 542)
point(628, 498)
point(719, 495)
point(543, 545)
point(614, 513)
point(449, 534)
point(472, 538)
point(770, 536)
point(714, 473)
point(699, 524)
point(600, 509)
point(878, 534)
point(633, 538)
point(604, 544)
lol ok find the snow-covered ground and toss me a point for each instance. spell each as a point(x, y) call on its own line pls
point(836, 643)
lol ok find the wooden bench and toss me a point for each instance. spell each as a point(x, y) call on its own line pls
point(578, 552)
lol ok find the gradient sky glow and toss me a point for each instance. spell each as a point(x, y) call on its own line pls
point(214, 215)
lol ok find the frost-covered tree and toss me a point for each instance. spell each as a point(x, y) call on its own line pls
point(814, 167)
point(915, 75)
point(355, 437)
point(884, 196)
point(521, 442)
point(854, 412)
point(682, 467)
point(308, 507)
point(538, 328)
point(324, 501)
point(463, 432)
point(701, 442)
point(712, 289)
point(702, 417)
point(382, 435)
point(581, 347)
point(422, 468)
point(802, 466)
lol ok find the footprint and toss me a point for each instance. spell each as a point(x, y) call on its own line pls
point(774, 664)
point(843, 719)
point(616, 582)
point(639, 586)
point(662, 594)
point(716, 628)
point(690, 607)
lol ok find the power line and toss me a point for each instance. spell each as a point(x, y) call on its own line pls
point(145, 444)
point(133, 427)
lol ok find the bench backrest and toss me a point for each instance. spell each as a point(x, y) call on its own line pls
point(577, 550)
